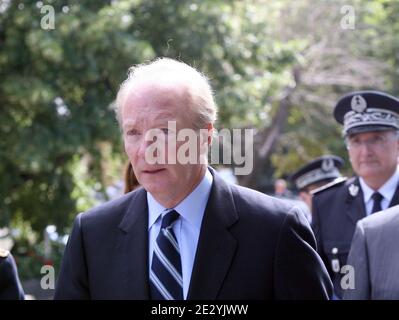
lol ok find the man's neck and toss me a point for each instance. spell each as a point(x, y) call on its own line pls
point(376, 183)
point(168, 202)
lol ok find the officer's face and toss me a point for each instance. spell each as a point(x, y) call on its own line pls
point(307, 198)
point(374, 155)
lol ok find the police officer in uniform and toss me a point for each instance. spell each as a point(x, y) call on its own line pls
point(317, 173)
point(370, 122)
point(10, 286)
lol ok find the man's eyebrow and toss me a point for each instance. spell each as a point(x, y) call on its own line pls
point(128, 123)
point(166, 116)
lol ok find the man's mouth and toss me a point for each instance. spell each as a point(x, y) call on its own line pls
point(367, 161)
point(153, 171)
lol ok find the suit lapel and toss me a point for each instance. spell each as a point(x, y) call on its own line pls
point(355, 207)
point(133, 248)
point(216, 246)
point(395, 198)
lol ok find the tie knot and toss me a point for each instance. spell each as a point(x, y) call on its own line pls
point(377, 197)
point(169, 218)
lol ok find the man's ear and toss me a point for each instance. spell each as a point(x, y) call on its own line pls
point(210, 129)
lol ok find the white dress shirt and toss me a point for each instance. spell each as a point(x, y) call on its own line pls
point(186, 228)
point(387, 191)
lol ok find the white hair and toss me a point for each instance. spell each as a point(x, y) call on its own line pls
point(167, 72)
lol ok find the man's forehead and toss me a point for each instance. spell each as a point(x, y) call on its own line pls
point(370, 134)
point(160, 116)
point(157, 91)
point(153, 98)
point(155, 104)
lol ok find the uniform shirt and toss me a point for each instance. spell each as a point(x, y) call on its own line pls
point(186, 228)
point(387, 191)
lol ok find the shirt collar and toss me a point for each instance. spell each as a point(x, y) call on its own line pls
point(155, 209)
point(387, 190)
point(192, 208)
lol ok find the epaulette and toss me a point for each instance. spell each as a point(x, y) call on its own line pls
point(329, 185)
point(4, 253)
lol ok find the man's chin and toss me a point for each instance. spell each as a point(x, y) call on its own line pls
point(370, 173)
point(156, 187)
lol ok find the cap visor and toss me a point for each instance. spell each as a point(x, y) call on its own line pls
point(370, 128)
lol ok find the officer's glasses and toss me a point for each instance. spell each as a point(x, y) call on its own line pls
point(377, 141)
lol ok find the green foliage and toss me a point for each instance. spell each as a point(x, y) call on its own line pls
point(30, 258)
point(55, 92)
point(59, 135)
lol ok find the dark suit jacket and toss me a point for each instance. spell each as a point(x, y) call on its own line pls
point(335, 212)
point(251, 246)
point(10, 287)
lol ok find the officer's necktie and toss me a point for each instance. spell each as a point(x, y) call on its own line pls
point(166, 281)
point(377, 198)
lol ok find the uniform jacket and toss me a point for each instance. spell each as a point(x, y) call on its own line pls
point(336, 209)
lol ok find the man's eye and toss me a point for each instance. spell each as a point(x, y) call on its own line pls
point(132, 132)
point(379, 139)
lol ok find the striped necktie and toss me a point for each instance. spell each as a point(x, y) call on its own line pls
point(166, 281)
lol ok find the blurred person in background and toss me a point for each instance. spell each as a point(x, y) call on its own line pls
point(281, 190)
point(314, 175)
point(130, 180)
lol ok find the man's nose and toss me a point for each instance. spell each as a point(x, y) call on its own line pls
point(143, 147)
point(367, 147)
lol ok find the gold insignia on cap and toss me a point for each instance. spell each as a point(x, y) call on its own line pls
point(358, 103)
point(353, 190)
point(4, 253)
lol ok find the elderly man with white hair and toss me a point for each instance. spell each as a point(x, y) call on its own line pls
point(186, 233)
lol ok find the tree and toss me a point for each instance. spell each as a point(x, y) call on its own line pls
point(55, 92)
point(60, 140)
point(334, 61)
